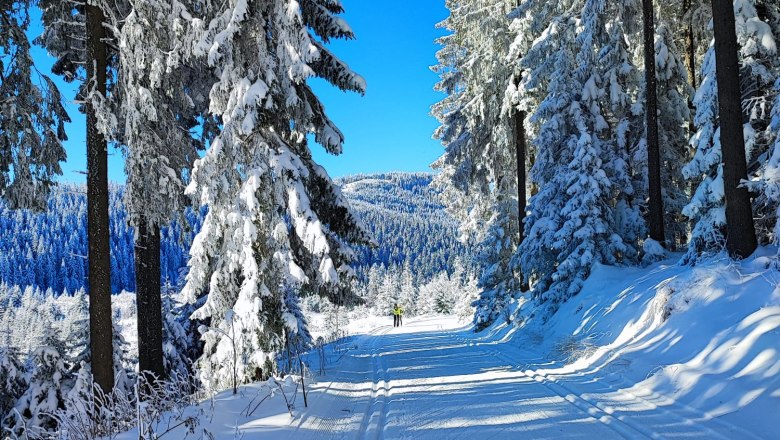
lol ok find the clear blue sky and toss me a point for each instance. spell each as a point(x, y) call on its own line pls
point(388, 129)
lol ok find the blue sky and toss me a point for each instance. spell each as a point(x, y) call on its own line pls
point(388, 129)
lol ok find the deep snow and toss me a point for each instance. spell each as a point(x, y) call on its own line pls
point(666, 351)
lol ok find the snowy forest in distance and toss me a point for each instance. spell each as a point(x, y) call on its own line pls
point(576, 139)
point(46, 250)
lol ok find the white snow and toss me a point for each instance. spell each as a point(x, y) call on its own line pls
point(666, 351)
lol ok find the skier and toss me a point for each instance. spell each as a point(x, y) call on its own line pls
point(397, 316)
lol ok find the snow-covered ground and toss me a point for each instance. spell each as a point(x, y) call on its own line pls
point(660, 352)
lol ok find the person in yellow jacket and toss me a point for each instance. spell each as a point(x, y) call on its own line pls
point(398, 314)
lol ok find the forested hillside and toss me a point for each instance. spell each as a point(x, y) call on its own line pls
point(47, 250)
point(408, 222)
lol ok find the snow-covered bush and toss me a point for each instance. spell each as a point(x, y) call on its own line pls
point(13, 380)
point(34, 413)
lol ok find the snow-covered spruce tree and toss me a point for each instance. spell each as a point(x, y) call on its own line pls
point(33, 414)
point(538, 252)
point(275, 219)
point(581, 214)
point(764, 161)
point(707, 205)
point(439, 295)
point(408, 294)
point(176, 341)
point(479, 166)
point(673, 112)
point(13, 379)
point(622, 83)
point(297, 337)
point(388, 292)
point(162, 100)
point(32, 116)
point(496, 283)
point(463, 303)
point(768, 186)
point(75, 33)
point(672, 91)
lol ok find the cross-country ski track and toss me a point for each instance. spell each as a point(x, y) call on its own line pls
point(430, 379)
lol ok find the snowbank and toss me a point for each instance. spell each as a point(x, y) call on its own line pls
point(704, 338)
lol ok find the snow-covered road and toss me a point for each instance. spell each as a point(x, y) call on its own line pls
point(430, 380)
point(421, 381)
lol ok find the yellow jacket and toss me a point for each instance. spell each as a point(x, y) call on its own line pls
point(398, 311)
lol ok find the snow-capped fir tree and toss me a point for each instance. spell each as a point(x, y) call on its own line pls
point(13, 380)
point(478, 167)
point(765, 185)
point(576, 219)
point(438, 295)
point(549, 79)
point(124, 376)
point(673, 94)
point(76, 34)
point(32, 116)
point(463, 303)
point(161, 99)
point(161, 102)
point(176, 341)
point(707, 205)
point(389, 292)
point(75, 329)
point(497, 283)
point(274, 217)
point(768, 185)
point(408, 293)
point(297, 337)
point(474, 131)
point(622, 80)
point(33, 414)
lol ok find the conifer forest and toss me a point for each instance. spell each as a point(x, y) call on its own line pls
point(332, 219)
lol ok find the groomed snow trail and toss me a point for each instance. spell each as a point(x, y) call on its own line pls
point(425, 380)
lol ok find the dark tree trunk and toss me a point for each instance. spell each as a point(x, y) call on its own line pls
point(690, 58)
point(656, 202)
point(741, 235)
point(100, 328)
point(149, 303)
point(520, 150)
point(690, 45)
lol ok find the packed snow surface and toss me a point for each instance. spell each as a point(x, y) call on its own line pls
point(666, 351)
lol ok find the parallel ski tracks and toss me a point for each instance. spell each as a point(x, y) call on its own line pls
point(622, 425)
point(375, 418)
point(331, 428)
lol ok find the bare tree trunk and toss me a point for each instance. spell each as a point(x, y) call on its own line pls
point(741, 235)
point(520, 150)
point(690, 58)
point(521, 147)
point(656, 202)
point(100, 328)
point(149, 302)
point(690, 45)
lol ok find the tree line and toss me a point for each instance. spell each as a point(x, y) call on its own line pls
point(587, 135)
